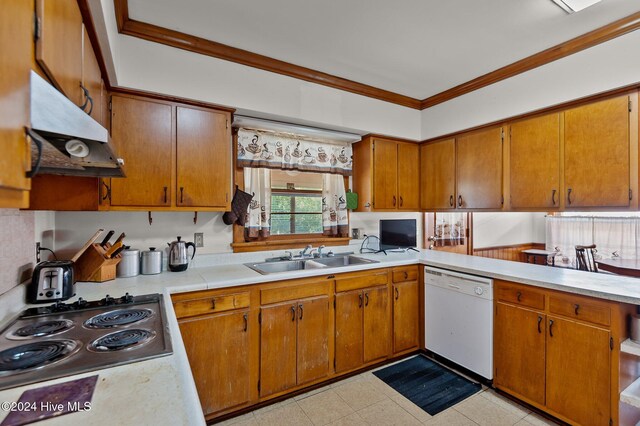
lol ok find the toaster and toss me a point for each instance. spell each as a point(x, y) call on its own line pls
point(51, 281)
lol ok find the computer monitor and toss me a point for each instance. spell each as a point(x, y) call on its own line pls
point(397, 234)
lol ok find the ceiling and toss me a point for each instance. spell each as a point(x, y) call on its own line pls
point(417, 48)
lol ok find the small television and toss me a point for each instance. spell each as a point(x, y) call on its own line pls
point(397, 234)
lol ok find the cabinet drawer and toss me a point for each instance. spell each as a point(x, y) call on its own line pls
point(220, 303)
point(300, 291)
point(405, 274)
point(580, 308)
point(362, 281)
point(519, 295)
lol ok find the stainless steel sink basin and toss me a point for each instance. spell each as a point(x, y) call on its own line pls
point(272, 267)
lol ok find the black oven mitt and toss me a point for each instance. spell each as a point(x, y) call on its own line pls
point(239, 207)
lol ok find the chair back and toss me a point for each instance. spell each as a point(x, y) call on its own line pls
point(585, 260)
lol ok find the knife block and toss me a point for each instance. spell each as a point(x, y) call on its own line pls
point(94, 266)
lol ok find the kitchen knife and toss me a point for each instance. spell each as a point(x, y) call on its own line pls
point(113, 248)
point(107, 238)
point(120, 238)
point(86, 245)
point(117, 252)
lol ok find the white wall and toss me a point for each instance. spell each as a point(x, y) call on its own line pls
point(598, 69)
point(506, 228)
point(73, 229)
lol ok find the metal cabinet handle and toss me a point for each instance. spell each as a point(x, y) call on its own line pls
point(366, 299)
point(553, 197)
point(88, 100)
point(569, 196)
point(459, 200)
point(397, 293)
point(181, 194)
point(451, 200)
point(551, 328)
point(293, 313)
point(519, 296)
point(213, 303)
point(394, 201)
point(108, 193)
point(576, 307)
point(539, 322)
point(301, 311)
point(246, 321)
point(401, 202)
point(360, 303)
point(406, 275)
point(165, 195)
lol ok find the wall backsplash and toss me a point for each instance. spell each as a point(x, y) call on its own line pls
point(17, 233)
point(72, 229)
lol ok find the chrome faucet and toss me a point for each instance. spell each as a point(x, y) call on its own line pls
point(288, 255)
point(303, 253)
point(319, 252)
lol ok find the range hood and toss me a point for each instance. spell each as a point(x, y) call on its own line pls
point(65, 140)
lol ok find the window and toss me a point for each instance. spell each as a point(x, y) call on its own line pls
point(296, 203)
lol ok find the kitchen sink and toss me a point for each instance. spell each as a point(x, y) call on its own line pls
point(274, 267)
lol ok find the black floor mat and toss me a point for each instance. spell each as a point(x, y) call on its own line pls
point(427, 384)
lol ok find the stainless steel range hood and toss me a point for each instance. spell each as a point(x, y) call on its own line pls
point(66, 140)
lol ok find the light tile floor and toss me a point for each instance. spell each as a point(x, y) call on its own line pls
point(367, 400)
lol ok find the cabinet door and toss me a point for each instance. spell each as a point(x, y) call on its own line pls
point(385, 174)
point(349, 330)
point(438, 175)
point(203, 158)
point(405, 316)
point(408, 176)
point(519, 351)
point(16, 23)
point(59, 47)
point(535, 162)
point(222, 379)
point(596, 154)
point(313, 339)
point(578, 371)
point(377, 323)
point(479, 169)
point(277, 348)
point(91, 78)
point(141, 133)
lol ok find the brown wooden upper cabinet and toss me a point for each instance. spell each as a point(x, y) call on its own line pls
point(203, 158)
point(59, 45)
point(534, 166)
point(463, 173)
point(386, 174)
point(92, 81)
point(16, 47)
point(438, 175)
point(597, 154)
point(141, 132)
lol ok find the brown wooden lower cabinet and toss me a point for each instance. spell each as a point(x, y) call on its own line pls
point(563, 361)
point(294, 338)
point(218, 349)
point(406, 306)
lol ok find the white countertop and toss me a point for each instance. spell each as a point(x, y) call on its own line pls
point(162, 391)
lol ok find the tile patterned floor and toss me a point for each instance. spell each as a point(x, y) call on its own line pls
point(367, 400)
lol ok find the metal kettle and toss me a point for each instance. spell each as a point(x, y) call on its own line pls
point(179, 255)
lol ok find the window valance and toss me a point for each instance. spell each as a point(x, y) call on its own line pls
point(275, 151)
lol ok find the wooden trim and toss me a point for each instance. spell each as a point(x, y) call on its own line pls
point(624, 90)
point(511, 252)
point(180, 40)
point(184, 41)
point(272, 244)
point(600, 35)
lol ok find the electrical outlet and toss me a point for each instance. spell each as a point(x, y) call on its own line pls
point(198, 239)
point(38, 252)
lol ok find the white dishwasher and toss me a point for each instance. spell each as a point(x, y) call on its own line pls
point(458, 315)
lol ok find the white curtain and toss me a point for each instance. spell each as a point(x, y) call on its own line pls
point(609, 234)
point(335, 220)
point(258, 183)
point(289, 152)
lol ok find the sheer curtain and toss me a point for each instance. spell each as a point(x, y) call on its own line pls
point(258, 182)
point(565, 233)
point(616, 234)
point(335, 220)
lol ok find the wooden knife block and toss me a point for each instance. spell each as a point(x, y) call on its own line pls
point(94, 266)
